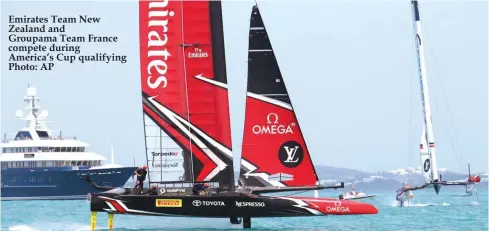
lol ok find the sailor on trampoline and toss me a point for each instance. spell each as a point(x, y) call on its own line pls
point(199, 188)
point(152, 190)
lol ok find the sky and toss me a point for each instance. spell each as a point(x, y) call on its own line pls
point(349, 67)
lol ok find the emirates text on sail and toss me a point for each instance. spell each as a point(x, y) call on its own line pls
point(158, 54)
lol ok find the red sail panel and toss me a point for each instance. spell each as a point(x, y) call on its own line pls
point(164, 93)
point(207, 94)
point(184, 94)
point(161, 54)
point(274, 152)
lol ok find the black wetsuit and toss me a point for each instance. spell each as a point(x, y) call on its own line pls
point(152, 191)
point(140, 179)
point(198, 188)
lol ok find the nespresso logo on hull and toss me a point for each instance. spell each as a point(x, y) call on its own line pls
point(157, 40)
point(250, 204)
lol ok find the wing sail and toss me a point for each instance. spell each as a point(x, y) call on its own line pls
point(184, 91)
point(274, 152)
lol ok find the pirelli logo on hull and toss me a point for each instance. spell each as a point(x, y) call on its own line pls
point(169, 203)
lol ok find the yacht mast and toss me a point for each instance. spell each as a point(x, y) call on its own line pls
point(428, 126)
point(35, 119)
point(31, 107)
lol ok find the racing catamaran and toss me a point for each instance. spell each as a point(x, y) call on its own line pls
point(427, 144)
point(187, 126)
point(472, 183)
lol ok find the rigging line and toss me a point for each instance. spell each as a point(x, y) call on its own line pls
point(186, 96)
point(297, 193)
point(413, 61)
point(450, 116)
point(154, 147)
point(456, 147)
point(410, 115)
point(460, 154)
point(145, 145)
point(451, 143)
point(161, 151)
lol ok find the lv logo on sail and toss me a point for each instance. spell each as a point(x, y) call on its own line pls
point(291, 154)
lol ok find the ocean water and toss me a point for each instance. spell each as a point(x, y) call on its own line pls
point(448, 211)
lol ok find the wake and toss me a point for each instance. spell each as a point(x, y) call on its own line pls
point(474, 203)
point(52, 227)
point(169, 224)
point(408, 204)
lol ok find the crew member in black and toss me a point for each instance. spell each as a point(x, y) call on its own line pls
point(152, 190)
point(200, 188)
point(141, 176)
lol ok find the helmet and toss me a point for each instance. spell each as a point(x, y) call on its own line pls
point(145, 167)
point(206, 184)
point(153, 186)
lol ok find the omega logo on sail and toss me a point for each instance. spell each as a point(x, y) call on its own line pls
point(273, 127)
point(158, 54)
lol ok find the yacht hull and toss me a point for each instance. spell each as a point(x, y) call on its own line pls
point(226, 205)
point(58, 183)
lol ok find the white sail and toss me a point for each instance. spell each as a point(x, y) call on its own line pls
point(428, 127)
point(164, 156)
point(425, 158)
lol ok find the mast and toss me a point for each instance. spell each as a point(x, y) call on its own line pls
point(428, 126)
point(31, 100)
point(35, 118)
point(112, 153)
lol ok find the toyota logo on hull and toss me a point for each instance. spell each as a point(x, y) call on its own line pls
point(198, 203)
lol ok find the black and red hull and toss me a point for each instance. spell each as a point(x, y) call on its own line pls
point(226, 205)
